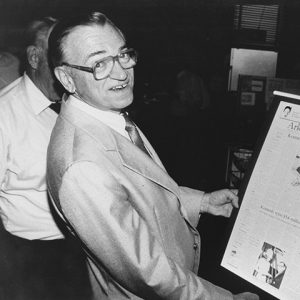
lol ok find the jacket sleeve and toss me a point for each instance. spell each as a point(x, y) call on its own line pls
point(98, 208)
point(192, 201)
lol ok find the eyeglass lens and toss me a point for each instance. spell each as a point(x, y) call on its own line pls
point(126, 59)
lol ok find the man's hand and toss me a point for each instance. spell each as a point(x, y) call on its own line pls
point(245, 296)
point(220, 203)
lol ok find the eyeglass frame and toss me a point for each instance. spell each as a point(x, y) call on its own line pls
point(114, 58)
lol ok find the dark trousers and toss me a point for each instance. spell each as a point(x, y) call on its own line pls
point(42, 270)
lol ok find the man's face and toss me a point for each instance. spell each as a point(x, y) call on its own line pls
point(281, 267)
point(269, 254)
point(87, 45)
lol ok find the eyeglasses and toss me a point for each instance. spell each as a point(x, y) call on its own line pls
point(102, 68)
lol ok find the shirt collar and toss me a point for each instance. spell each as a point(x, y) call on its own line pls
point(113, 119)
point(37, 100)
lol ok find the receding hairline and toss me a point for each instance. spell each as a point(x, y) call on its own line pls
point(107, 23)
point(65, 27)
point(90, 25)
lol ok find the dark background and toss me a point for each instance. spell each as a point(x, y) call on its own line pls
point(168, 34)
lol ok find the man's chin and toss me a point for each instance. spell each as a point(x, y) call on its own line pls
point(125, 101)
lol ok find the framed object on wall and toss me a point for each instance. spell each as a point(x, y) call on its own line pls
point(250, 62)
point(238, 159)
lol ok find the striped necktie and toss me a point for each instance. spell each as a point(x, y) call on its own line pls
point(134, 134)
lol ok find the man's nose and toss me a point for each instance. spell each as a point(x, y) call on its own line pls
point(118, 72)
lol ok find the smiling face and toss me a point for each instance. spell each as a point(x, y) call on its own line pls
point(86, 45)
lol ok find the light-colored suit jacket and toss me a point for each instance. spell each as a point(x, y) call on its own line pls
point(135, 223)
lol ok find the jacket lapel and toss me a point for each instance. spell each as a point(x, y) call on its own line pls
point(139, 162)
point(131, 156)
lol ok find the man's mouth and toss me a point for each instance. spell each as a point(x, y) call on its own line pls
point(119, 87)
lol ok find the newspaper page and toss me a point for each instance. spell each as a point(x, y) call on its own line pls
point(264, 246)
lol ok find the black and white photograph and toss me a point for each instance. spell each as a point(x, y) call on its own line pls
point(270, 266)
point(130, 133)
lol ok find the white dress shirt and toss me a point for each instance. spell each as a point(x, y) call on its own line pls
point(26, 123)
point(112, 119)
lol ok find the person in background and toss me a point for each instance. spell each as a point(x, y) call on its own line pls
point(10, 67)
point(191, 93)
point(190, 111)
point(137, 225)
point(38, 261)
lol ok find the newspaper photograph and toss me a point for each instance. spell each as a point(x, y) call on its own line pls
point(264, 246)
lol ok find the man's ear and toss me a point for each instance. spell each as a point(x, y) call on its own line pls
point(33, 56)
point(65, 79)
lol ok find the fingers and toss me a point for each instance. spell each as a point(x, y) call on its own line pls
point(235, 191)
point(228, 212)
point(232, 195)
point(235, 202)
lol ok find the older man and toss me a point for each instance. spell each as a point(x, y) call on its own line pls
point(108, 184)
point(36, 261)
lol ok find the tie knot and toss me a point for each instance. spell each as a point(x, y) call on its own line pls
point(129, 123)
point(134, 133)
